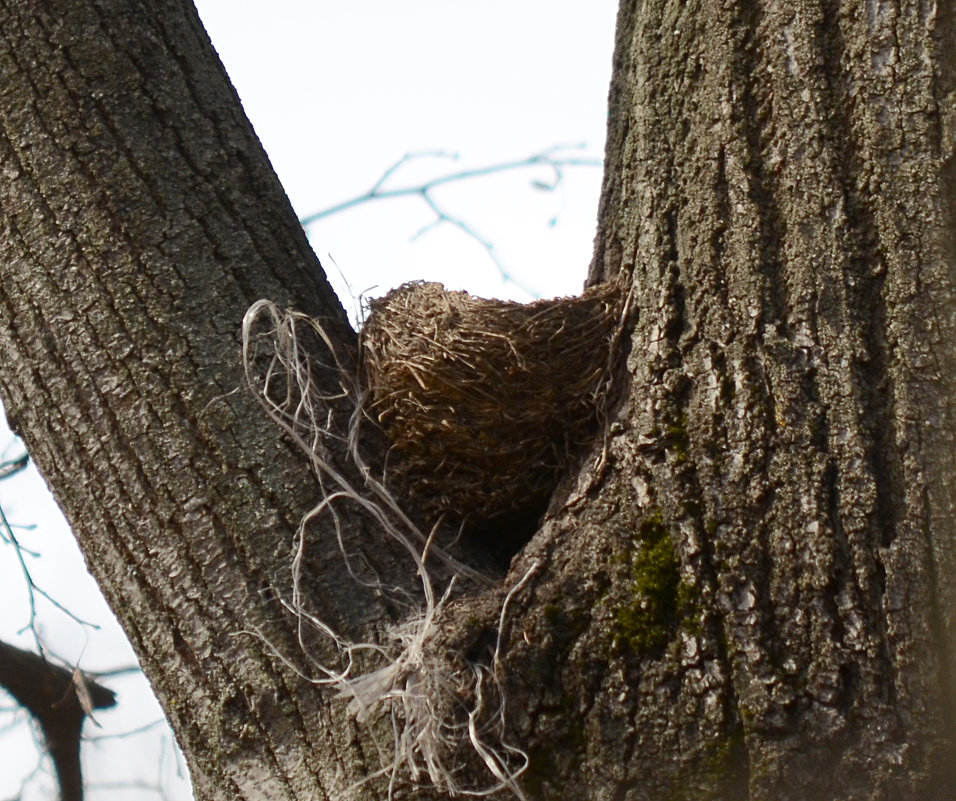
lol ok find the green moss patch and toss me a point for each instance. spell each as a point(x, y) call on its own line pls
point(659, 600)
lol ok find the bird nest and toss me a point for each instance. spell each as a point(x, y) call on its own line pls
point(486, 401)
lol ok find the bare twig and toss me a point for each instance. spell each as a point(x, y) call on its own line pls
point(10, 467)
point(33, 589)
point(553, 158)
point(159, 723)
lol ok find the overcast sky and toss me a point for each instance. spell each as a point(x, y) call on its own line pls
point(338, 92)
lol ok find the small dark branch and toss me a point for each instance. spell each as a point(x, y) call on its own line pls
point(13, 466)
point(551, 158)
point(59, 700)
point(126, 670)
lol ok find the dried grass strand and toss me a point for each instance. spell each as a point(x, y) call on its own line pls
point(419, 690)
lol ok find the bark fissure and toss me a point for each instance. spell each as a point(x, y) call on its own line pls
point(796, 220)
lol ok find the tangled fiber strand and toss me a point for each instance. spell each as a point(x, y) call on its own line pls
point(424, 693)
point(486, 401)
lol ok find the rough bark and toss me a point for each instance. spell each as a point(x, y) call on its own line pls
point(776, 189)
point(140, 220)
point(751, 597)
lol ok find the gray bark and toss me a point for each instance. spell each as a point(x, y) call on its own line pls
point(753, 595)
point(776, 191)
point(140, 220)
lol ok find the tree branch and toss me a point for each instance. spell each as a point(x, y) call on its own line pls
point(59, 700)
point(549, 158)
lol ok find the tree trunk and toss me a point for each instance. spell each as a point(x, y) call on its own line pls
point(141, 219)
point(746, 589)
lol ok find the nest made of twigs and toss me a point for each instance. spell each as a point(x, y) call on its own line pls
point(485, 401)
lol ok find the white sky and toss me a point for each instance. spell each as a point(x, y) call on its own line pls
point(338, 92)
